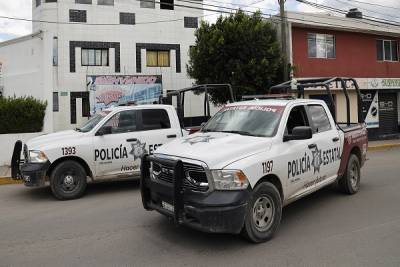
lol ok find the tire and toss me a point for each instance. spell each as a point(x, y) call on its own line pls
point(68, 180)
point(350, 182)
point(264, 213)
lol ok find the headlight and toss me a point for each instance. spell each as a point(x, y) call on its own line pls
point(37, 156)
point(229, 179)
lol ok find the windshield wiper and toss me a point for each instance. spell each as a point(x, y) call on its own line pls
point(238, 132)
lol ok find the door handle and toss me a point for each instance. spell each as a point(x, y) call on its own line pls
point(310, 146)
point(131, 140)
point(335, 139)
point(171, 136)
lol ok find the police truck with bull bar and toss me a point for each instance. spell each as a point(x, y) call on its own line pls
point(254, 157)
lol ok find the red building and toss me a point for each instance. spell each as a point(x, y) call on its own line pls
point(321, 45)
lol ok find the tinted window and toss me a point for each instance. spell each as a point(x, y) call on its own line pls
point(153, 119)
point(297, 117)
point(123, 122)
point(319, 119)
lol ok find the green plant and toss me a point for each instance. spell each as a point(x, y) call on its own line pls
point(21, 114)
point(240, 49)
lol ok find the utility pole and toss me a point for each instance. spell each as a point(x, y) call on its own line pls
point(283, 39)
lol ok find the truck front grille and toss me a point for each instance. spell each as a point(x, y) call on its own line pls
point(195, 176)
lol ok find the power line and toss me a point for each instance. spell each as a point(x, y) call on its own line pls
point(365, 18)
point(368, 10)
point(373, 4)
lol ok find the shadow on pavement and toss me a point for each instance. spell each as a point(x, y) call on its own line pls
point(292, 215)
point(92, 190)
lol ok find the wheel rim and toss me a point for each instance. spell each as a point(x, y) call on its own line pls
point(263, 213)
point(69, 182)
point(354, 176)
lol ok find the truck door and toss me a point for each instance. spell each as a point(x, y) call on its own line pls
point(114, 153)
point(297, 155)
point(156, 129)
point(326, 150)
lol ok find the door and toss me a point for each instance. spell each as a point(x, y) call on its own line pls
point(155, 130)
point(114, 153)
point(325, 148)
point(297, 154)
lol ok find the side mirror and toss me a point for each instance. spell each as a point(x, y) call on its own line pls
point(299, 133)
point(104, 130)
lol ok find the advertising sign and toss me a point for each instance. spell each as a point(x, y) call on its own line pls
point(111, 90)
point(370, 108)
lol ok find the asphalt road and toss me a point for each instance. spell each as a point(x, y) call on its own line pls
point(108, 227)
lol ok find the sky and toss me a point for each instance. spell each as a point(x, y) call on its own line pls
point(23, 9)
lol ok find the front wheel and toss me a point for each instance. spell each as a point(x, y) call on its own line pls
point(68, 180)
point(350, 182)
point(264, 213)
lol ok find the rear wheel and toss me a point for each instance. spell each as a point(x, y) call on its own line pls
point(264, 213)
point(350, 182)
point(68, 180)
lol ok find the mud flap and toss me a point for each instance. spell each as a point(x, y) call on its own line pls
point(16, 161)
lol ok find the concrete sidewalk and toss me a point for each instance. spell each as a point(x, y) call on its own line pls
point(383, 144)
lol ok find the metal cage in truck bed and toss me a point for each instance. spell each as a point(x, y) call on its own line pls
point(299, 87)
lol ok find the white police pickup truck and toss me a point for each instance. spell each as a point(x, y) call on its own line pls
point(108, 146)
point(251, 159)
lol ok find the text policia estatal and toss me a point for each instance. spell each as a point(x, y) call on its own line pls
point(111, 153)
point(318, 158)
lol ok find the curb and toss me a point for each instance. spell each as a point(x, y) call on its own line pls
point(383, 147)
point(7, 180)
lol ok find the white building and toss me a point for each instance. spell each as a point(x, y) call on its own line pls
point(85, 54)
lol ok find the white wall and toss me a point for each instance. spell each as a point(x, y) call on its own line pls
point(127, 35)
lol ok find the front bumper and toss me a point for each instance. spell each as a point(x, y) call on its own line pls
point(214, 211)
point(34, 174)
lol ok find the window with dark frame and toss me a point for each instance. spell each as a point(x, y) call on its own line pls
point(387, 50)
point(55, 102)
point(51, 1)
point(127, 18)
point(105, 2)
point(321, 45)
point(157, 58)
point(76, 15)
point(94, 57)
point(190, 22)
point(86, 2)
point(167, 4)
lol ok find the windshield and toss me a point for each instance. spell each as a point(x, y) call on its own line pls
point(90, 124)
point(246, 120)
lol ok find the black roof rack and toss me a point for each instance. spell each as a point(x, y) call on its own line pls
point(300, 85)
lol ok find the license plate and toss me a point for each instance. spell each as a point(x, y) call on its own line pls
point(167, 206)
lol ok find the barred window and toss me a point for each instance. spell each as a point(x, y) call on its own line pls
point(76, 15)
point(127, 18)
point(387, 50)
point(190, 22)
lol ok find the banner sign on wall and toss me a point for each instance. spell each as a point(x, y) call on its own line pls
point(111, 90)
point(370, 108)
